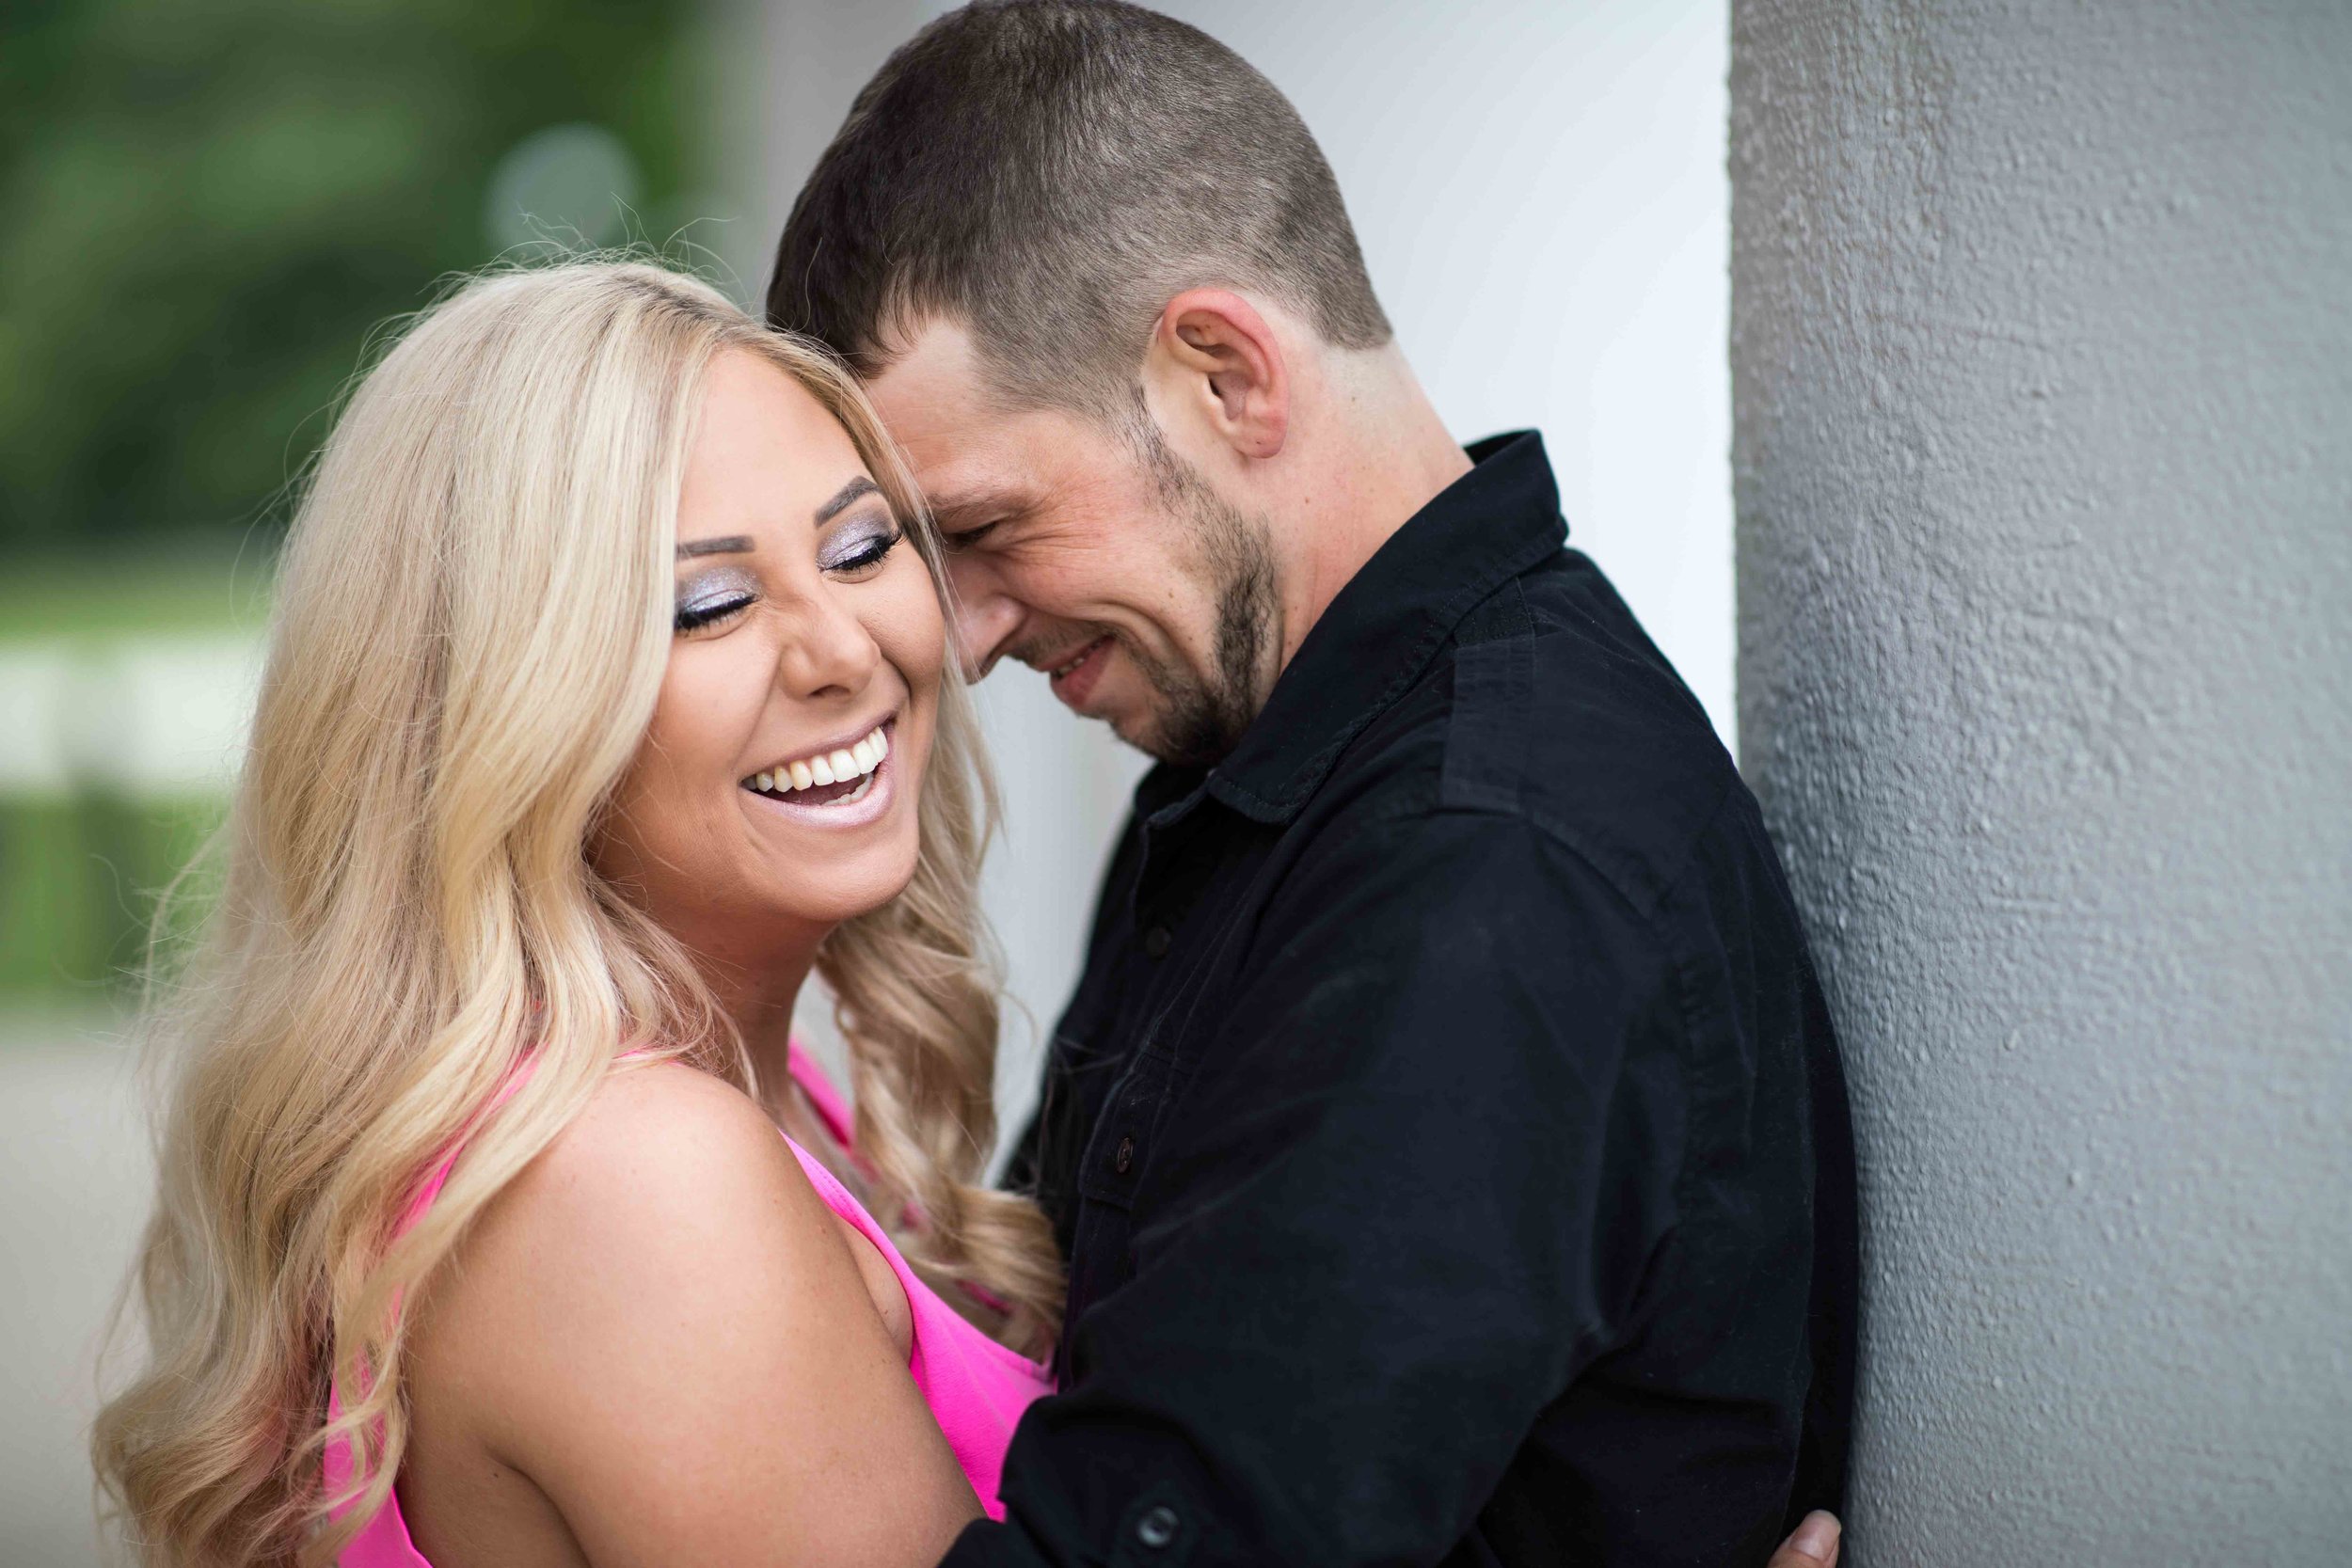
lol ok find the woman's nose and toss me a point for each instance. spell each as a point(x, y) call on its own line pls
point(828, 653)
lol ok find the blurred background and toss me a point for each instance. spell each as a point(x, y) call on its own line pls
point(207, 207)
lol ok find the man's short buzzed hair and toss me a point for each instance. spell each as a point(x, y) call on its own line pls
point(1051, 173)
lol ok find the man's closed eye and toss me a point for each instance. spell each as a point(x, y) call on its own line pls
point(969, 538)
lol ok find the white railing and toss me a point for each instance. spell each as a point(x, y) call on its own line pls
point(140, 716)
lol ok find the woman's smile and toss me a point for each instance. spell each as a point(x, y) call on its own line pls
point(839, 785)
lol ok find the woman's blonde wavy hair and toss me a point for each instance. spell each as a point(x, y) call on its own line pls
point(471, 624)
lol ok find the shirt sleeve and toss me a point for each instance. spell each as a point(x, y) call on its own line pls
point(1408, 1190)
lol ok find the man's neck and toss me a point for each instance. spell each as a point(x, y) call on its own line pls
point(1383, 455)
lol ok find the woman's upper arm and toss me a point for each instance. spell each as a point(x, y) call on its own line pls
point(675, 1343)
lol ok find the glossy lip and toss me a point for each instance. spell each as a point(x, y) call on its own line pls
point(863, 813)
point(1077, 685)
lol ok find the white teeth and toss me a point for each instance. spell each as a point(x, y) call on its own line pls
point(836, 767)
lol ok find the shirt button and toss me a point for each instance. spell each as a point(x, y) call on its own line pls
point(1126, 1155)
point(1158, 1527)
point(1157, 941)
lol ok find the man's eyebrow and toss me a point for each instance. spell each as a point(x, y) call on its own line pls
point(952, 510)
point(732, 544)
point(857, 488)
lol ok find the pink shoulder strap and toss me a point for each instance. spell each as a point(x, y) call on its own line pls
point(832, 1107)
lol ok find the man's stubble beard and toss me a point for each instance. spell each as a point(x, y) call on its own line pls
point(1200, 717)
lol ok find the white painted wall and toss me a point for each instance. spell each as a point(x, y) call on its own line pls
point(1540, 193)
point(2042, 367)
point(1540, 189)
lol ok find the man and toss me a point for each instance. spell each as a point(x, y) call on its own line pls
point(1447, 1137)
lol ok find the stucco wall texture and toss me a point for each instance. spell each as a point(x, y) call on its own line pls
point(2042, 348)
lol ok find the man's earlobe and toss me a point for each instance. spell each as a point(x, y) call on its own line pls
point(1219, 342)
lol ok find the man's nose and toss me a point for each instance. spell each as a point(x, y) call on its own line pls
point(986, 618)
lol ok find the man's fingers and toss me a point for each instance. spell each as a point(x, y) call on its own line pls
point(1813, 1545)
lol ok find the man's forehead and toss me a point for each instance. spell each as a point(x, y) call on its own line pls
point(966, 448)
point(934, 354)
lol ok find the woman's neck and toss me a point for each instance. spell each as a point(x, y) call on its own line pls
point(758, 998)
point(766, 1029)
point(758, 995)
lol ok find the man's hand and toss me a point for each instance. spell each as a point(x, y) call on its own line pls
point(1812, 1544)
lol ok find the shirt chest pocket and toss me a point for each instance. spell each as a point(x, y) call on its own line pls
point(1118, 1155)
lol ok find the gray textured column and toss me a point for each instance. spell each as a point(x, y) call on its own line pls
point(2042, 354)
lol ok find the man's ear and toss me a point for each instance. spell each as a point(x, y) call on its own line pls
point(1214, 354)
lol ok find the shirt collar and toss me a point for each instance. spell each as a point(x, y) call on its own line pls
point(1381, 630)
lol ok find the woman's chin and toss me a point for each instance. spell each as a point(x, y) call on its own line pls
point(830, 883)
point(858, 896)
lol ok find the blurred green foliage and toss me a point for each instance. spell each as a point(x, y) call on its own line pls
point(205, 206)
point(81, 880)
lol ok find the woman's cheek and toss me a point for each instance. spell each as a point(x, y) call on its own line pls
point(710, 698)
point(914, 633)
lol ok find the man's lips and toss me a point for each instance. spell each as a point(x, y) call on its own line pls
point(1074, 674)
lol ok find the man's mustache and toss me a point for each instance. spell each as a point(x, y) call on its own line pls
point(1045, 650)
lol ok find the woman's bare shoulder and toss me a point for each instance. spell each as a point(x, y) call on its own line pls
point(662, 1156)
point(669, 1182)
point(661, 1324)
point(653, 1130)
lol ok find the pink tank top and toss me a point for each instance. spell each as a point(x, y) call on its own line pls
point(975, 1387)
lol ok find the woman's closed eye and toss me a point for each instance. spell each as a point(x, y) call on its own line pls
point(712, 600)
point(857, 547)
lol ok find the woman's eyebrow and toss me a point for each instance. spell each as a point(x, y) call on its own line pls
point(732, 544)
point(858, 487)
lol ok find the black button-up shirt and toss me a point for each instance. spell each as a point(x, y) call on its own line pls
point(1447, 1136)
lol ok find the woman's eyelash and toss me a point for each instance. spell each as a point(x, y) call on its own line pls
point(869, 553)
point(704, 612)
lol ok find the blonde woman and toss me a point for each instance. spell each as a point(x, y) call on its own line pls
point(606, 703)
